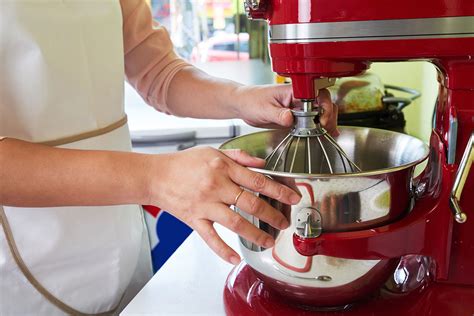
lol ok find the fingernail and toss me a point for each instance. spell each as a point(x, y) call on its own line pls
point(235, 260)
point(284, 113)
point(269, 243)
point(284, 224)
point(295, 198)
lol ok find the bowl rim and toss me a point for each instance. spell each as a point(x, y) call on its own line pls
point(339, 175)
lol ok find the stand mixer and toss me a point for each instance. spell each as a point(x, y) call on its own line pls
point(424, 256)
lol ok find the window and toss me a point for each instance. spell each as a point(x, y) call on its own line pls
point(205, 30)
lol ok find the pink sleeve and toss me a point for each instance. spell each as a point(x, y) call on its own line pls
point(150, 61)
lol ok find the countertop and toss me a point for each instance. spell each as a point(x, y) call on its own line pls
point(191, 282)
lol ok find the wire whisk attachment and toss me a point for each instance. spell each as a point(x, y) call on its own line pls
point(309, 148)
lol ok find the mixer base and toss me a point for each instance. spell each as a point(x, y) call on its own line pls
point(245, 294)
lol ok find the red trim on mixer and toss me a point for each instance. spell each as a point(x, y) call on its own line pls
point(310, 190)
point(305, 268)
point(309, 260)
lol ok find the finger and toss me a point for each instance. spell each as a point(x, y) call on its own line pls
point(273, 125)
point(324, 102)
point(271, 106)
point(278, 115)
point(284, 94)
point(206, 230)
point(253, 205)
point(330, 122)
point(243, 158)
point(329, 117)
point(241, 226)
point(324, 97)
point(276, 108)
point(257, 182)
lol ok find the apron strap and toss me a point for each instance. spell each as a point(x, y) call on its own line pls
point(85, 135)
point(36, 284)
point(11, 241)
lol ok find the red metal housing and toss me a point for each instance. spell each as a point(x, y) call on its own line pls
point(319, 38)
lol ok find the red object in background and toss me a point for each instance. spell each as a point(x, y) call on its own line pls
point(222, 47)
point(152, 210)
point(429, 230)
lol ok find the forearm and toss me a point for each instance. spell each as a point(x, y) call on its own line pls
point(193, 93)
point(38, 176)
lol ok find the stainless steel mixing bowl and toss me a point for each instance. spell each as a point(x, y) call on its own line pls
point(381, 193)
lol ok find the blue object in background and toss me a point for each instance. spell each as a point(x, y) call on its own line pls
point(166, 234)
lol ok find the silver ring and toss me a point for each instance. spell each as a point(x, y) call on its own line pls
point(238, 196)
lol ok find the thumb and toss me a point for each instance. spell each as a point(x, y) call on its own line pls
point(279, 115)
point(277, 111)
point(243, 158)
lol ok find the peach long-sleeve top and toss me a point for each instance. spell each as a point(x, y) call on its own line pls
point(150, 60)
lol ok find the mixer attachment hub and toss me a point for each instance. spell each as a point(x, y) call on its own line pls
point(309, 223)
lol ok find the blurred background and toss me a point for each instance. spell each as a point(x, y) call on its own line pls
point(206, 32)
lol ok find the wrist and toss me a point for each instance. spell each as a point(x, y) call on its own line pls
point(156, 178)
point(238, 101)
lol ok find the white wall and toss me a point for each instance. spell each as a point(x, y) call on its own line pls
point(417, 75)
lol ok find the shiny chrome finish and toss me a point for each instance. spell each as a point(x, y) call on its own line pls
point(380, 194)
point(402, 102)
point(318, 151)
point(308, 223)
point(373, 30)
point(252, 4)
point(460, 180)
point(452, 136)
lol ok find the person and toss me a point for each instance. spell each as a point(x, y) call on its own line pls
point(73, 239)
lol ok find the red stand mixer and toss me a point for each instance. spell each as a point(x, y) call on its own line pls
point(429, 250)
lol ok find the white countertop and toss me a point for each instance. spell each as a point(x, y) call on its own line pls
point(191, 282)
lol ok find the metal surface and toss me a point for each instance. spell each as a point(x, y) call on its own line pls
point(339, 38)
point(284, 12)
point(334, 203)
point(322, 83)
point(373, 30)
point(309, 148)
point(246, 294)
point(460, 181)
point(452, 138)
point(308, 223)
point(252, 4)
point(375, 151)
point(402, 102)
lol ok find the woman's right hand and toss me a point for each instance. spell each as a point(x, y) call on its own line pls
point(198, 186)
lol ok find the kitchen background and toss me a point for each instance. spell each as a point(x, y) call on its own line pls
point(216, 36)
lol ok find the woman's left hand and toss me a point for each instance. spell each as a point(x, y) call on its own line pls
point(268, 106)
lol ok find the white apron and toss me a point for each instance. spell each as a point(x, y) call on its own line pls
point(61, 79)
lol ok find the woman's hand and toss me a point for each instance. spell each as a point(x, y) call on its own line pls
point(198, 186)
point(267, 106)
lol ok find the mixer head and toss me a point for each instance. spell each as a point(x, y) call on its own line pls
point(309, 148)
